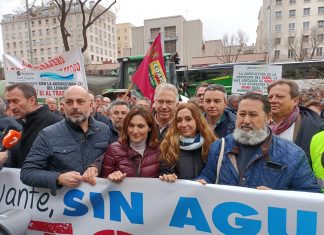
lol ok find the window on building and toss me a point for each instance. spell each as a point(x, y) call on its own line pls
point(118, 38)
point(292, 1)
point(8, 45)
point(14, 45)
point(305, 38)
point(92, 57)
point(170, 31)
point(278, 2)
point(277, 41)
point(97, 58)
point(306, 11)
point(307, 0)
point(306, 25)
point(304, 51)
point(278, 27)
point(47, 21)
point(320, 37)
point(39, 22)
point(319, 51)
point(290, 53)
point(125, 37)
point(278, 14)
point(292, 13)
point(276, 54)
point(291, 26)
point(321, 10)
point(321, 23)
point(154, 32)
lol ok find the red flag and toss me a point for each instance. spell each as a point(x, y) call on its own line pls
point(151, 72)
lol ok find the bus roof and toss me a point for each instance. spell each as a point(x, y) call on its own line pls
point(262, 63)
point(137, 57)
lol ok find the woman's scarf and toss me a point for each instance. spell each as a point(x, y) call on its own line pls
point(285, 124)
point(191, 143)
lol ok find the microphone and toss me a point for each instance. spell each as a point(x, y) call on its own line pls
point(10, 139)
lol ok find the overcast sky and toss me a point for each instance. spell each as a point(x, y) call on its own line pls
point(218, 16)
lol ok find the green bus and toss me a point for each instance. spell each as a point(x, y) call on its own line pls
point(301, 72)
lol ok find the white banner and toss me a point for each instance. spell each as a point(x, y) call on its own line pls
point(254, 78)
point(149, 206)
point(50, 78)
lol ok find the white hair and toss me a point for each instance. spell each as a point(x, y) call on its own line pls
point(168, 87)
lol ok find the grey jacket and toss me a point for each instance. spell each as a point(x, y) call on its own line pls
point(61, 148)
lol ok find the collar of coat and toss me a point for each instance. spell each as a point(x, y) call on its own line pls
point(264, 147)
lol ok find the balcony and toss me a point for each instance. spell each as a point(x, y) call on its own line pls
point(166, 38)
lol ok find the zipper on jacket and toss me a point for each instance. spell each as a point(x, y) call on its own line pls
point(241, 176)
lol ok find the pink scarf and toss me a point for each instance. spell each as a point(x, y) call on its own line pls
point(285, 124)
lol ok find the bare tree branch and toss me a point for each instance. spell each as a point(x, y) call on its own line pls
point(89, 13)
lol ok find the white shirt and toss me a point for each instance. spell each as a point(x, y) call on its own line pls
point(289, 133)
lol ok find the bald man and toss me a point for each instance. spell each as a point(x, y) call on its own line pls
point(62, 152)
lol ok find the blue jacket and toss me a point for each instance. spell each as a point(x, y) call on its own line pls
point(278, 164)
point(61, 148)
point(226, 124)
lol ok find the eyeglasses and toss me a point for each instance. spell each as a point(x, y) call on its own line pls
point(167, 102)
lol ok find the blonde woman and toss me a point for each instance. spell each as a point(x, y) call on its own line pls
point(185, 147)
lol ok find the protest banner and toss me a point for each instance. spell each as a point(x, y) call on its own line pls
point(50, 78)
point(149, 206)
point(254, 78)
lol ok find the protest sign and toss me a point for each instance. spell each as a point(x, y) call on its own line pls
point(51, 78)
point(254, 78)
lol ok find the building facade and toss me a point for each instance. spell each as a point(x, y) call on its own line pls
point(295, 31)
point(46, 39)
point(124, 39)
point(177, 35)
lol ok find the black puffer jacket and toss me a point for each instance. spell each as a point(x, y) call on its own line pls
point(35, 122)
point(188, 166)
point(311, 124)
point(227, 124)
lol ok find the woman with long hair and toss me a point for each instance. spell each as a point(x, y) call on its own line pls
point(185, 147)
point(135, 154)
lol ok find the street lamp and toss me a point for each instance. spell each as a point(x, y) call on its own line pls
point(269, 33)
point(29, 35)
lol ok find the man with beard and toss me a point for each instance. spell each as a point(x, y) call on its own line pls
point(63, 151)
point(255, 158)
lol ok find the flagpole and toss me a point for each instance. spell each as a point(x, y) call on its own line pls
point(128, 90)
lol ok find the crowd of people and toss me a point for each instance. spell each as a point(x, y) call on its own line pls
point(250, 140)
